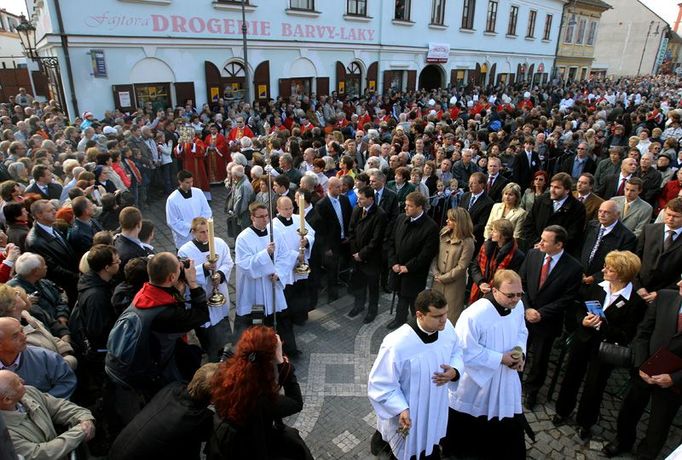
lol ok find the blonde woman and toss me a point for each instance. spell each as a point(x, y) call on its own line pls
point(509, 208)
point(455, 253)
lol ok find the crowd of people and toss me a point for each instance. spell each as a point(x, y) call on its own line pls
point(502, 219)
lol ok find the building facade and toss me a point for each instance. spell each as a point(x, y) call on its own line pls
point(632, 40)
point(11, 55)
point(123, 53)
point(578, 38)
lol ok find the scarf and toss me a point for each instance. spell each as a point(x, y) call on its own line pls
point(488, 261)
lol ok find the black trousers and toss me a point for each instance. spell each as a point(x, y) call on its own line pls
point(479, 438)
point(383, 446)
point(404, 303)
point(297, 296)
point(364, 280)
point(583, 361)
point(284, 329)
point(664, 407)
point(539, 349)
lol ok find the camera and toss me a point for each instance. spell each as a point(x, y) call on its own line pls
point(184, 261)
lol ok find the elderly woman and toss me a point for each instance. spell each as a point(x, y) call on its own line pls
point(430, 178)
point(19, 173)
point(15, 303)
point(499, 252)
point(508, 209)
point(622, 309)
point(455, 252)
point(401, 186)
point(537, 188)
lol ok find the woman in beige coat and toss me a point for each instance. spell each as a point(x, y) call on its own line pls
point(455, 252)
point(508, 209)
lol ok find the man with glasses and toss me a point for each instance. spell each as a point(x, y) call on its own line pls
point(579, 164)
point(486, 404)
point(551, 278)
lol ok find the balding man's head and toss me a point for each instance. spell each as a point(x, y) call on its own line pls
point(11, 390)
point(608, 213)
point(12, 339)
point(334, 186)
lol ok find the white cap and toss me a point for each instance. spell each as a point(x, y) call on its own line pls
point(526, 95)
point(453, 100)
point(432, 102)
point(109, 130)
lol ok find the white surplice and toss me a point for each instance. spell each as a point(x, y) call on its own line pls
point(224, 265)
point(254, 267)
point(488, 387)
point(401, 378)
point(180, 211)
point(293, 242)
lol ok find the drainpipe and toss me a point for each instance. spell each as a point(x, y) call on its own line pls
point(558, 41)
point(67, 57)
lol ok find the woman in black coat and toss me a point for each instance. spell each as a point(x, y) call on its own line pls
point(623, 311)
point(249, 408)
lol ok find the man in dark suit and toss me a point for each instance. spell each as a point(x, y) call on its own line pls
point(332, 215)
point(602, 236)
point(614, 185)
point(43, 184)
point(84, 226)
point(585, 194)
point(281, 185)
point(411, 247)
point(579, 163)
point(495, 182)
point(47, 241)
point(128, 243)
point(366, 235)
point(660, 248)
point(661, 327)
point(526, 164)
point(551, 279)
point(479, 205)
point(388, 201)
point(557, 208)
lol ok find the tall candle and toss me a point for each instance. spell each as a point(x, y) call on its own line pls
point(301, 211)
point(211, 239)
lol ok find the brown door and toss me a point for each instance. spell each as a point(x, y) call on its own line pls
point(340, 78)
point(261, 81)
point(124, 97)
point(372, 76)
point(183, 92)
point(411, 80)
point(214, 85)
point(284, 88)
point(388, 78)
point(323, 86)
point(40, 83)
point(13, 79)
point(491, 74)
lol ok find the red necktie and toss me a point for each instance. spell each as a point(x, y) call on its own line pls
point(490, 184)
point(621, 187)
point(545, 270)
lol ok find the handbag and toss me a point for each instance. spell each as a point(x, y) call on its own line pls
point(615, 355)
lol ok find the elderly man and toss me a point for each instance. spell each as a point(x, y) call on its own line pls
point(581, 163)
point(41, 368)
point(240, 197)
point(651, 179)
point(614, 185)
point(31, 416)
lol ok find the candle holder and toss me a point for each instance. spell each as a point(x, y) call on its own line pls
point(217, 299)
point(302, 268)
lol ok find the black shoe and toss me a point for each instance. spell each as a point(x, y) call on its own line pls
point(377, 444)
point(613, 448)
point(355, 312)
point(369, 318)
point(584, 433)
point(559, 420)
point(293, 354)
point(531, 401)
point(332, 296)
point(395, 324)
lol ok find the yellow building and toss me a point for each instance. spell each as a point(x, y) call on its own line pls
point(577, 38)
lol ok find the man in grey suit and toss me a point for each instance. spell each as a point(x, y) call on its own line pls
point(635, 213)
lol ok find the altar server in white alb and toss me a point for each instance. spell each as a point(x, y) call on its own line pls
point(408, 384)
point(288, 225)
point(183, 205)
point(486, 417)
point(260, 265)
point(216, 332)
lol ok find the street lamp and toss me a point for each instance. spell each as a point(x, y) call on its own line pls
point(648, 32)
point(246, 60)
point(27, 36)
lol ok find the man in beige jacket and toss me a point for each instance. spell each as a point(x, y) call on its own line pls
point(30, 416)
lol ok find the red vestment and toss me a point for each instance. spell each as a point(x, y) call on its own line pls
point(193, 155)
point(217, 157)
point(237, 133)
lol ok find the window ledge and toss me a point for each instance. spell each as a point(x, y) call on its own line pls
point(546, 40)
point(530, 39)
point(233, 6)
point(306, 13)
point(490, 34)
point(149, 2)
point(468, 31)
point(402, 22)
point(438, 26)
point(357, 18)
point(511, 36)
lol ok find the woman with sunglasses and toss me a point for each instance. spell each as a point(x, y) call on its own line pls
point(623, 309)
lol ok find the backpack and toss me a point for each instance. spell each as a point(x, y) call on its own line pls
point(129, 359)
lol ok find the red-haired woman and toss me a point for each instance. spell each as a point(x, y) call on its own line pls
point(249, 406)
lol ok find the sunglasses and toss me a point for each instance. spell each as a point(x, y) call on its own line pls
point(511, 295)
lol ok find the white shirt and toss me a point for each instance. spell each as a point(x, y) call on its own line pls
point(559, 203)
point(608, 229)
point(553, 262)
point(610, 297)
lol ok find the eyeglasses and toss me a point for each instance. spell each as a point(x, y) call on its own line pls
point(511, 295)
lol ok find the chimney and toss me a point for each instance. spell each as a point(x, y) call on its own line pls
point(679, 18)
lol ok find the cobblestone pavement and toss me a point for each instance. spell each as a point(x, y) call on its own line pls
point(337, 420)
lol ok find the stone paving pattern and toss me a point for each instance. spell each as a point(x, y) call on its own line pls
point(337, 420)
